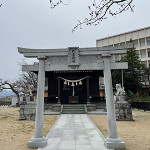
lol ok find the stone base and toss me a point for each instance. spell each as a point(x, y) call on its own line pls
point(123, 111)
point(114, 143)
point(37, 142)
point(27, 110)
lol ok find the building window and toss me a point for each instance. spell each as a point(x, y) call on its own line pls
point(149, 63)
point(143, 54)
point(116, 45)
point(123, 43)
point(135, 43)
point(128, 42)
point(142, 42)
point(110, 45)
point(148, 41)
point(148, 52)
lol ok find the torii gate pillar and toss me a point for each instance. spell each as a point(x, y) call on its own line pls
point(112, 141)
point(38, 140)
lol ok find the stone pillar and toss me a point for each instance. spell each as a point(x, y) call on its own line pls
point(112, 141)
point(58, 91)
point(38, 140)
point(88, 99)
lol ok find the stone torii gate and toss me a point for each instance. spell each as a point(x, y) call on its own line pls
point(75, 59)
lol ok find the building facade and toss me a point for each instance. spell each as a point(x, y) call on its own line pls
point(140, 39)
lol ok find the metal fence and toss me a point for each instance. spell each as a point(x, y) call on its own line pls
point(141, 105)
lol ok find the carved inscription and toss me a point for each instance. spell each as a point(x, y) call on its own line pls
point(73, 56)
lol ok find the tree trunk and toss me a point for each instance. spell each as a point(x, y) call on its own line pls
point(15, 91)
point(18, 98)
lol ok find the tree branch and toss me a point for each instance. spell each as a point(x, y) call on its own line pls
point(15, 87)
point(53, 5)
point(99, 12)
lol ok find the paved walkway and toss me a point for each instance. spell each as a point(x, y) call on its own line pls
point(74, 132)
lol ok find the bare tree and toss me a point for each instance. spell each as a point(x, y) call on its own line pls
point(28, 78)
point(21, 85)
point(16, 87)
point(100, 9)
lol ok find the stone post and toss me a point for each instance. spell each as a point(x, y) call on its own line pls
point(88, 99)
point(38, 140)
point(58, 91)
point(112, 141)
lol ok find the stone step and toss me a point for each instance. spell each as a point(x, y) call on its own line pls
point(73, 112)
point(73, 109)
point(73, 105)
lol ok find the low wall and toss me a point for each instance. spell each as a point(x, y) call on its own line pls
point(28, 110)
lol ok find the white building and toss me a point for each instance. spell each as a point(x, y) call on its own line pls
point(14, 99)
point(140, 38)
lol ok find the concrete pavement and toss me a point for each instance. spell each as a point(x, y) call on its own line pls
point(74, 132)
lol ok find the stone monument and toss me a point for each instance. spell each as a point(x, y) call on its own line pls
point(28, 94)
point(123, 108)
point(28, 105)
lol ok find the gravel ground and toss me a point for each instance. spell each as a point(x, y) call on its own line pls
point(136, 134)
point(15, 134)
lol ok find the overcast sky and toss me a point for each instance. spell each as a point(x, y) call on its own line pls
point(33, 24)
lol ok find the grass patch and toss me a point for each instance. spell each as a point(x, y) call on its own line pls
point(5, 117)
point(146, 99)
point(5, 99)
